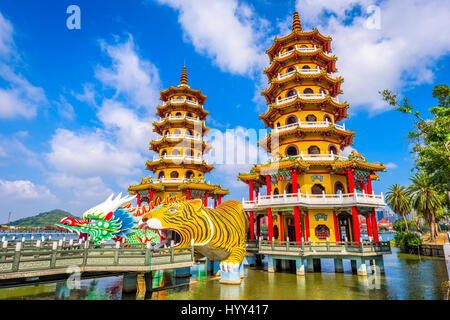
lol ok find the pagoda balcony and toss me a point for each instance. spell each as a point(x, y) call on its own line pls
point(315, 200)
point(179, 136)
point(281, 76)
point(174, 180)
point(316, 157)
point(180, 118)
point(179, 158)
point(297, 48)
point(183, 100)
point(309, 124)
point(309, 96)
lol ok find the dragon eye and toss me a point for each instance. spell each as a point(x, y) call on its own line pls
point(172, 210)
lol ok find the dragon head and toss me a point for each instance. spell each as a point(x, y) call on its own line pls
point(103, 222)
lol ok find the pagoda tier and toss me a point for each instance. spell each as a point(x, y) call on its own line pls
point(315, 191)
point(179, 165)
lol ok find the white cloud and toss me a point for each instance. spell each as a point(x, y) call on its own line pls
point(391, 165)
point(23, 190)
point(402, 53)
point(227, 31)
point(6, 36)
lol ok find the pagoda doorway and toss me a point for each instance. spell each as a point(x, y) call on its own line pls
point(344, 223)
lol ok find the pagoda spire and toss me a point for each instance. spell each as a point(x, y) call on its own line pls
point(296, 24)
point(183, 78)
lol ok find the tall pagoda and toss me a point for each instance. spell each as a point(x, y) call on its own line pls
point(313, 192)
point(179, 167)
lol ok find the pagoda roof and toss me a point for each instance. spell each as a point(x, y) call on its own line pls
point(165, 163)
point(145, 184)
point(323, 75)
point(155, 145)
point(297, 34)
point(300, 132)
point(158, 127)
point(340, 109)
point(181, 106)
point(183, 88)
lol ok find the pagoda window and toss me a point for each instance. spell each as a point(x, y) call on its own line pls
point(189, 115)
point(311, 118)
point(332, 149)
point(322, 232)
point(189, 152)
point(308, 91)
point(306, 67)
point(290, 69)
point(198, 155)
point(291, 119)
point(290, 49)
point(278, 124)
point(179, 98)
point(314, 150)
point(291, 93)
point(177, 131)
point(175, 152)
point(323, 91)
point(178, 114)
point(288, 188)
point(327, 118)
point(317, 189)
point(189, 133)
point(166, 133)
point(161, 175)
point(275, 191)
point(291, 150)
point(164, 153)
point(174, 175)
point(303, 46)
point(189, 98)
point(189, 174)
point(339, 188)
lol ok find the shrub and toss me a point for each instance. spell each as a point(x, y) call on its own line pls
point(399, 225)
point(407, 242)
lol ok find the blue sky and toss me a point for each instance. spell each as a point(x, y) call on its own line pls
point(76, 106)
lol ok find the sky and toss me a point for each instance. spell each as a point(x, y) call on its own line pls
point(77, 105)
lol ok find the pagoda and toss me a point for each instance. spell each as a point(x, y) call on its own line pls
point(313, 192)
point(179, 167)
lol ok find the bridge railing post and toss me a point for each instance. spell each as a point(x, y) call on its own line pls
point(17, 252)
point(171, 252)
point(53, 256)
point(4, 250)
point(116, 253)
point(85, 253)
point(148, 252)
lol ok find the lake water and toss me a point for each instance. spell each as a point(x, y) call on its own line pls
point(407, 277)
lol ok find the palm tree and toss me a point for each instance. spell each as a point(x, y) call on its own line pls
point(426, 200)
point(399, 200)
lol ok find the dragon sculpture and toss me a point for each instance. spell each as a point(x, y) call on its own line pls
point(112, 219)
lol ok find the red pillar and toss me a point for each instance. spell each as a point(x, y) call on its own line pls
point(351, 181)
point(258, 226)
point(307, 226)
point(270, 223)
point(138, 199)
point(205, 201)
point(356, 228)
point(369, 224)
point(268, 185)
point(252, 235)
point(281, 227)
point(374, 226)
point(336, 226)
point(220, 199)
point(294, 182)
point(215, 203)
point(298, 230)
point(369, 185)
point(188, 194)
point(364, 185)
point(150, 196)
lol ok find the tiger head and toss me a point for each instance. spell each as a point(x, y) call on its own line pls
point(180, 221)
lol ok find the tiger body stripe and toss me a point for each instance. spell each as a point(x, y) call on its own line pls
point(218, 234)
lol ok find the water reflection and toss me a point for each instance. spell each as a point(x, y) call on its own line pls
point(407, 277)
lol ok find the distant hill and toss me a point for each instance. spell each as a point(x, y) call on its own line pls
point(43, 219)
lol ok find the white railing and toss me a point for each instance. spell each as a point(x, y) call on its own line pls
point(179, 136)
point(170, 180)
point(178, 158)
point(298, 48)
point(315, 200)
point(180, 118)
point(183, 100)
point(299, 70)
point(309, 124)
point(316, 157)
point(305, 96)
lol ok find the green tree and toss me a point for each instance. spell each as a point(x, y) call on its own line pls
point(399, 200)
point(426, 200)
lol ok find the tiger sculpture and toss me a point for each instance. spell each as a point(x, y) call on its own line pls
point(218, 234)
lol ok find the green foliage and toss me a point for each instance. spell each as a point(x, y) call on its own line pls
point(43, 219)
point(399, 200)
point(407, 241)
point(383, 229)
point(399, 225)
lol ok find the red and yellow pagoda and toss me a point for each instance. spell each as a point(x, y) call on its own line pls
point(179, 166)
point(313, 192)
